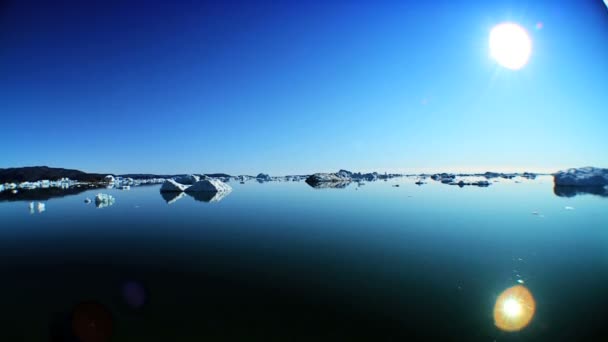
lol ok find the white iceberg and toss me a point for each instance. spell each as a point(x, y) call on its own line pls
point(263, 177)
point(209, 185)
point(104, 200)
point(41, 207)
point(584, 176)
point(187, 179)
point(172, 186)
point(327, 177)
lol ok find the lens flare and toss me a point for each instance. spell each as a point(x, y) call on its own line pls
point(514, 309)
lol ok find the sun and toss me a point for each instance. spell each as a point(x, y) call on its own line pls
point(510, 45)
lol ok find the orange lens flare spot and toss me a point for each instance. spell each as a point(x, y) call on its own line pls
point(514, 309)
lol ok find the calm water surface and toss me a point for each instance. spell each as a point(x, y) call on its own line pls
point(286, 262)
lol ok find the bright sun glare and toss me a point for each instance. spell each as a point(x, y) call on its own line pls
point(512, 307)
point(510, 45)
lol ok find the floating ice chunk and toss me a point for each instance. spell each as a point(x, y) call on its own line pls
point(104, 200)
point(263, 177)
point(569, 208)
point(31, 207)
point(584, 176)
point(41, 207)
point(187, 179)
point(87, 200)
point(209, 185)
point(327, 178)
point(521, 281)
point(172, 186)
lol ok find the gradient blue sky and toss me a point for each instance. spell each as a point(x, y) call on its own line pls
point(300, 87)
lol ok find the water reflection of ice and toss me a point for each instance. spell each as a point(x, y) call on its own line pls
point(172, 197)
point(33, 207)
point(209, 196)
point(203, 196)
point(571, 191)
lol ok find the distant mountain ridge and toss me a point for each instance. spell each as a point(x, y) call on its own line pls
point(35, 173)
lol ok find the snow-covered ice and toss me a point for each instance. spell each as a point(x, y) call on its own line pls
point(584, 176)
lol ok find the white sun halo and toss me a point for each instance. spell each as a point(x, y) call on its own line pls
point(510, 45)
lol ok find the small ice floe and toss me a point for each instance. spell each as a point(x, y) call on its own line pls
point(87, 200)
point(536, 213)
point(521, 281)
point(41, 207)
point(15, 191)
point(569, 208)
point(104, 200)
point(395, 185)
point(125, 187)
point(31, 207)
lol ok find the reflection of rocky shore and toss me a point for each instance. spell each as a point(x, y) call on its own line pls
point(41, 194)
point(571, 191)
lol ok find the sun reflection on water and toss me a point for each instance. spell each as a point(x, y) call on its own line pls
point(514, 309)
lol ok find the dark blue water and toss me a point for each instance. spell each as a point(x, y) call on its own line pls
point(286, 262)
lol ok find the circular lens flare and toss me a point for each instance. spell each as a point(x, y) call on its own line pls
point(514, 309)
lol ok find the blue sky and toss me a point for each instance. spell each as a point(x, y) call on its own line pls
point(300, 87)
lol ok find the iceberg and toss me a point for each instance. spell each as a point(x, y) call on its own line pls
point(104, 200)
point(209, 185)
point(40, 207)
point(187, 179)
point(263, 177)
point(327, 178)
point(172, 186)
point(584, 176)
